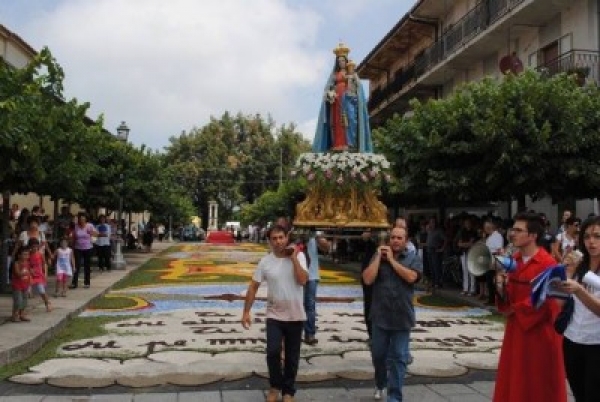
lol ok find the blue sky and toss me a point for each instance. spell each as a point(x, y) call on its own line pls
point(168, 66)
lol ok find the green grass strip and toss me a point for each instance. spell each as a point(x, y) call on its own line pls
point(77, 328)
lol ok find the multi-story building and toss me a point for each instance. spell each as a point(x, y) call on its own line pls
point(440, 44)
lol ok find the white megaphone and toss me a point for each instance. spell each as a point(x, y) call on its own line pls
point(479, 259)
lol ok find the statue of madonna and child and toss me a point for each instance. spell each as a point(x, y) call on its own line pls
point(342, 171)
point(343, 123)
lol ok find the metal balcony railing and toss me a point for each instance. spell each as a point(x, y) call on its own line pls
point(585, 63)
point(470, 26)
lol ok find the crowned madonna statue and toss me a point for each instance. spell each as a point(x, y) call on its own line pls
point(342, 171)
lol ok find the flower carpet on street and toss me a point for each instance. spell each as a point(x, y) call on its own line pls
point(176, 320)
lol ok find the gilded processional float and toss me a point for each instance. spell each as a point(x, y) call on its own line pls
point(343, 174)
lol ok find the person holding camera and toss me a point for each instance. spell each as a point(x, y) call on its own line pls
point(392, 273)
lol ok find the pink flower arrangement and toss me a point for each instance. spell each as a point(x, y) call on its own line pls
point(310, 177)
point(373, 173)
point(363, 177)
point(329, 174)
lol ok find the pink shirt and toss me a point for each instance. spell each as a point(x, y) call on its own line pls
point(83, 236)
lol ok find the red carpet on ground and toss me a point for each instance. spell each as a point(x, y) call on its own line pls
point(220, 237)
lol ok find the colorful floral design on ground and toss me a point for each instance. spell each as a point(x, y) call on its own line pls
point(176, 320)
point(208, 276)
point(210, 263)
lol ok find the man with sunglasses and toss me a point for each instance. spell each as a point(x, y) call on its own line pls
point(392, 272)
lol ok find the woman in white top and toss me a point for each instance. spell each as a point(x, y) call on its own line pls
point(581, 343)
point(566, 241)
point(33, 231)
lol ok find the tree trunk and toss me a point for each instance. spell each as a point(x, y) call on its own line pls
point(55, 225)
point(521, 205)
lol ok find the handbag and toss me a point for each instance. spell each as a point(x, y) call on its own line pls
point(564, 317)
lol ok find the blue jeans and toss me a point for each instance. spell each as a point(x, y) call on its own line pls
point(389, 351)
point(310, 306)
point(290, 332)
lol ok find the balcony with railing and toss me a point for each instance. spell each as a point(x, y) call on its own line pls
point(473, 24)
point(584, 63)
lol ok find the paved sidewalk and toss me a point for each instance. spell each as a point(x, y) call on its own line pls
point(19, 340)
point(474, 392)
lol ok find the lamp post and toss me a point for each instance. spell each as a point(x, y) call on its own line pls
point(119, 261)
point(280, 165)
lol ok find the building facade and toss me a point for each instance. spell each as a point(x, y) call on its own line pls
point(440, 44)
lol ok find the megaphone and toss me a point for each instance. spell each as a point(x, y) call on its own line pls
point(507, 263)
point(479, 259)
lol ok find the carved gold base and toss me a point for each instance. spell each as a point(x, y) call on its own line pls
point(354, 208)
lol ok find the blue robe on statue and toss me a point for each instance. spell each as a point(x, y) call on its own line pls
point(358, 132)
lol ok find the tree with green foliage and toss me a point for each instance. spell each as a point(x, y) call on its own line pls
point(499, 140)
point(233, 160)
point(34, 118)
point(50, 147)
point(275, 203)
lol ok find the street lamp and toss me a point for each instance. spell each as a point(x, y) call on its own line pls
point(119, 261)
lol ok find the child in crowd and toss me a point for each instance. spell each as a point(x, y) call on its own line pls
point(39, 272)
point(20, 285)
point(65, 261)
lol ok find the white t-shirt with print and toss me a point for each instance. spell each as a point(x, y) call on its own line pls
point(565, 242)
point(285, 296)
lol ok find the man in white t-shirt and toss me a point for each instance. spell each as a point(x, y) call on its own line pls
point(285, 271)
point(495, 243)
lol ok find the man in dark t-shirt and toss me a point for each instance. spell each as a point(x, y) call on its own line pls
point(392, 272)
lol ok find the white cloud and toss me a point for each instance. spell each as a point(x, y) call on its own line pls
point(167, 66)
point(307, 128)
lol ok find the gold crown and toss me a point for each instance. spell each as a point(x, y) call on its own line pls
point(341, 50)
point(351, 63)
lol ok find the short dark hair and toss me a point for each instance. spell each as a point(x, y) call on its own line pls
point(33, 242)
point(535, 224)
point(276, 229)
point(572, 220)
point(33, 218)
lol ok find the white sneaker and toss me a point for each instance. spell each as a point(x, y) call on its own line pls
point(378, 394)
